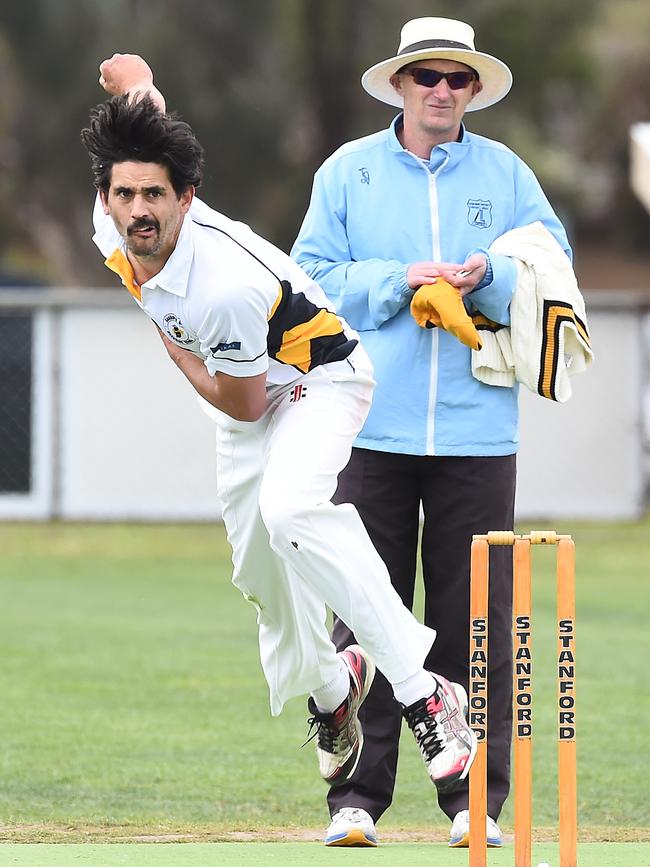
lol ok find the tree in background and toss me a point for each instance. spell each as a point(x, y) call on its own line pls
point(271, 87)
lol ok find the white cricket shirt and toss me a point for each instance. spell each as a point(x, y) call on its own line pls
point(233, 299)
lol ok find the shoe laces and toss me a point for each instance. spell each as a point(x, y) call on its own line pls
point(334, 735)
point(426, 729)
point(352, 814)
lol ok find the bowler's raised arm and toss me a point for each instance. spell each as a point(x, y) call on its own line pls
point(129, 73)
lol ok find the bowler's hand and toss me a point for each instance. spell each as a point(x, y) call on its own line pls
point(122, 72)
point(129, 73)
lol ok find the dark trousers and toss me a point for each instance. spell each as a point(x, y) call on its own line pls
point(460, 496)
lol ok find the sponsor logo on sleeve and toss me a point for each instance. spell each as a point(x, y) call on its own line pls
point(234, 345)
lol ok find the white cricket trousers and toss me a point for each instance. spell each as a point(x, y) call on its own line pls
point(293, 551)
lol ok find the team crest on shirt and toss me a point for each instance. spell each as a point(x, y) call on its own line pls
point(479, 213)
point(176, 331)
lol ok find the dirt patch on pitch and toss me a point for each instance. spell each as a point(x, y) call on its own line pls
point(51, 833)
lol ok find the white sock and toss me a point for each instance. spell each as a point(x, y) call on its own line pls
point(417, 686)
point(330, 696)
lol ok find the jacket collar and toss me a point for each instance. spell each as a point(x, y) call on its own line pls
point(452, 151)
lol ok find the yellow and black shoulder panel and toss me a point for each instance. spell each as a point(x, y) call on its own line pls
point(303, 334)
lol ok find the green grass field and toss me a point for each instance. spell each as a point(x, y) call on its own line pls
point(133, 706)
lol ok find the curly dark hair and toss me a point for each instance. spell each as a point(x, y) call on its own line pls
point(122, 131)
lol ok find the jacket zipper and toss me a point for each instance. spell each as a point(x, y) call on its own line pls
point(437, 257)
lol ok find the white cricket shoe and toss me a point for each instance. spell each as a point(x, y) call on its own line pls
point(339, 738)
point(459, 834)
point(351, 826)
point(447, 743)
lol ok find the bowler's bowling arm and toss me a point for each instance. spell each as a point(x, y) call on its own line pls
point(241, 397)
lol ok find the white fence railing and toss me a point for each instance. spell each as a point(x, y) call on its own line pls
point(115, 433)
point(640, 162)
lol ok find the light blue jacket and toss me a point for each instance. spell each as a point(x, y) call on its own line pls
point(375, 210)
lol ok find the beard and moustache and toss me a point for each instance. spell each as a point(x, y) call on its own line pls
point(144, 246)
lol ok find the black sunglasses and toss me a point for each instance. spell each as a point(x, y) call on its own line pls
point(430, 77)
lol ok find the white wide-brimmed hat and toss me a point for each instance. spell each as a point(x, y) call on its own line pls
point(446, 39)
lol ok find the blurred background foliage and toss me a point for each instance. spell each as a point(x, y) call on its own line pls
point(271, 87)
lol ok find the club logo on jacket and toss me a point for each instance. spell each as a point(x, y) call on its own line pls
point(297, 393)
point(479, 213)
point(175, 330)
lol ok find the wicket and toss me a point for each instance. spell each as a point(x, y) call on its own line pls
point(522, 692)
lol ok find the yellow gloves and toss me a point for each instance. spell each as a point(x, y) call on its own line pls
point(440, 304)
